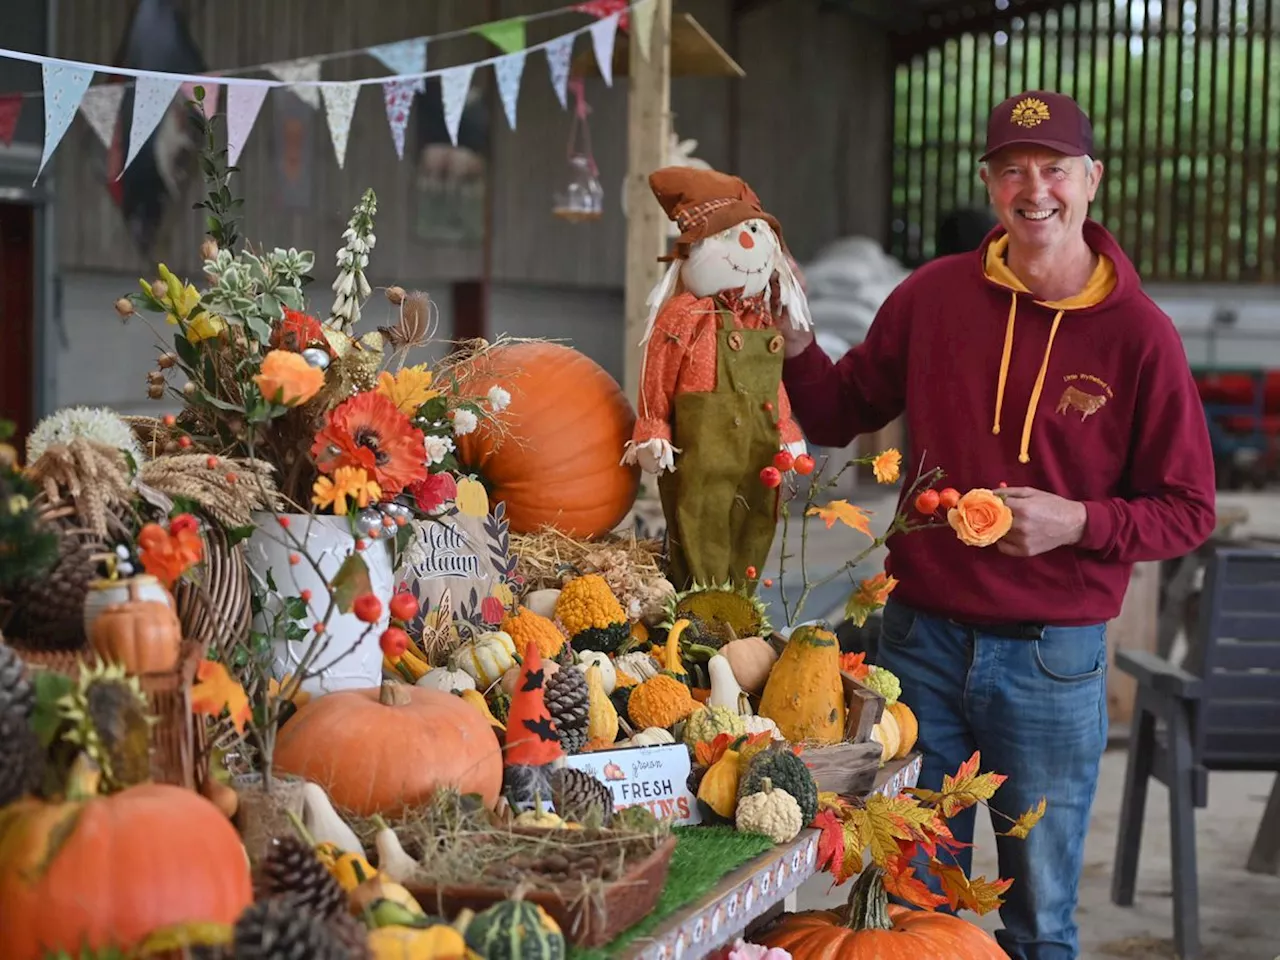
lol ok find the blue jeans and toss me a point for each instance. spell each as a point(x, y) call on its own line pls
point(1037, 709)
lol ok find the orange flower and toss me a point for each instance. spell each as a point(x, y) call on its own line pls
point(288, 379)
point(368, 431)
point(168, 554)
point(980, 518)
point(348, 483)
point(886, 466)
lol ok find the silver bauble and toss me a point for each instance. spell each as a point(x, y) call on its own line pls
point(369, 522)
point(316, 357)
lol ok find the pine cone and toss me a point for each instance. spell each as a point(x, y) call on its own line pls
point(293, 869)
point(16, 694)
point(352, 935)
point(49, 611)
point(568, 699)
point(21, 758)
point(281, 928)
point(576, 793)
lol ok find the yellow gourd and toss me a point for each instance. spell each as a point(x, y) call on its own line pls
point(602, 716)
point(477, 700)
point(719, 786)
point(804, 694)
point(908, 728)
point(886, 734)
point(660, 702)
point(671, 661)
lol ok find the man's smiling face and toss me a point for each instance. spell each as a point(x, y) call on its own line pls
point(1040, 197)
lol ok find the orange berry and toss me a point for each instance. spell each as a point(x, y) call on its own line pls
point(283, 521)
point(360, 544)
point(751, 573)
point(212, 463)
point(184, 442)
point(927, 501)
point(768, 581)
point(168, 419)
point(949, 498)
point(294, 559)
point(305, 596)
point(231, 478)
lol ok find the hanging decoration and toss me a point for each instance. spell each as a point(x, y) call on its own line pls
point(339, 105)
point(508, 71)
point(101, 108)
point(151, 98)
point(582, 198)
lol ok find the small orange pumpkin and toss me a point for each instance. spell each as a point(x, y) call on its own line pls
point(376, 751)
point(97, 871)
point(144, 636)
point(555, 462)
point(869, 928)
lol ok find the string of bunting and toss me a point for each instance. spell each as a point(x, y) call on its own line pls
point(67, 91)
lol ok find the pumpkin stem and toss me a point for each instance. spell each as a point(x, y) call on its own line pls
point(868, 907)
point(84, 778)
point(463, 920)
point(393, 694)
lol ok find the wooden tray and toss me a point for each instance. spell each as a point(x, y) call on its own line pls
point(588, 915)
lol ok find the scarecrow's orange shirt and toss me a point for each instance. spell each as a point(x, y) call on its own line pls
point(680, 357)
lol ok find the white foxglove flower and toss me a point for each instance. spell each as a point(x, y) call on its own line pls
point(342, 286)
point(437, 448)
point(464, 421)
point(498, 399)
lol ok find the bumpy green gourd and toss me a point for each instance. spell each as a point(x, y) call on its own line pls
point(884, 683)
point(706, 724)
point(516, 930)
point(786, 772)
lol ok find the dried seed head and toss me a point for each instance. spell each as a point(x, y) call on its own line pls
point(159, 289)
point(124, 307)
point(166, 360)
point(188, 389)
point(155, 376)
point(209, 249)
point(156, 391)
point(395, 295)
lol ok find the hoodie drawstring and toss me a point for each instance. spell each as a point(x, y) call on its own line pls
point(1024, 455)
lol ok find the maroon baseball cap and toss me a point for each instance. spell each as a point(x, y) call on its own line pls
point(1040, 118)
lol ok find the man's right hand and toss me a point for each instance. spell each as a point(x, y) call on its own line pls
point(794, 340)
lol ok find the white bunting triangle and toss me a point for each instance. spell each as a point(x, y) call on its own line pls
point(101, 108)
point(397, 97)
point(339, 105)
point(455, 83)
point(244, 100)
point(603, 34)
point(508, 71)
point(64, 86)
point(559, 52)
point(294, 71)
point(151, 98)
point(642, 23)
point(404, 57)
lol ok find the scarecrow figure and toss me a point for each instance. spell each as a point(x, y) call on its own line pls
point(713, 412)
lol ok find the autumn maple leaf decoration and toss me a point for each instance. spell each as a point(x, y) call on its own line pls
point(215, 691)
point(846, 513)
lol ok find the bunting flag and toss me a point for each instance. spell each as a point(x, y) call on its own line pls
point(506, 35)
point(151, 98)
point(244, 100)
point(454, 86)
point(295, 71)
point(603, 34)
point(642, 22)
point(397, 95)
point(559, 53)
point(64, 86)
point(211, 91)
point(405, 56)
point(508, 71)
point(339, 105)
point(101, 108)
point(10, 111)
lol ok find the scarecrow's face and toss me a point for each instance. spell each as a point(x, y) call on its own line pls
point(742, 257)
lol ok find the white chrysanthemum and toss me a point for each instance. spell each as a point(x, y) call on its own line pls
point(437, 448)
point(464, 421)
point(93, 423)
point(498, 399)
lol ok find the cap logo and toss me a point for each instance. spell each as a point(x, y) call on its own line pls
point(1029, 112)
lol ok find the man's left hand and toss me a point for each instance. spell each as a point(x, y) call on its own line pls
point(1041, 522)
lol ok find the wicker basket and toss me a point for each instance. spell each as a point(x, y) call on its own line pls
point(177, 740)
point(224, 620)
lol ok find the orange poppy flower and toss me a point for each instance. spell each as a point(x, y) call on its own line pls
point(368, 431)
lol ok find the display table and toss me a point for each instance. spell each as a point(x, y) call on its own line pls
point(753, 890)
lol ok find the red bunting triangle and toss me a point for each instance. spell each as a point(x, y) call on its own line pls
point(10, 110)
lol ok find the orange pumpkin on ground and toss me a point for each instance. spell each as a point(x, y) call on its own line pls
point(378, 750)
point(144, 636)
point(871, 929)
point(565, 430)
point(151, 856)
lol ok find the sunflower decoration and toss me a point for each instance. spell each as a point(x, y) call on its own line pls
point(369, 432)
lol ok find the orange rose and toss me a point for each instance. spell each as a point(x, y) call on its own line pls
point(980, 518)
point(288, 379)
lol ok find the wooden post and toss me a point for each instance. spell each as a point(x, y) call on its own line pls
point(649, 120)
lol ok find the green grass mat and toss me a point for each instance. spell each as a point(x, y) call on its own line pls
point(702, 858)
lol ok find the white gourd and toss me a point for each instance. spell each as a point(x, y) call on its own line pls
point(608, 675)
point(640, 666)
point(542, 602)
point(651, 737)
point(725, 691)
point(756, 725)
point(323, 822)
point(487, 657)
point(393, 861)
point(446, 679)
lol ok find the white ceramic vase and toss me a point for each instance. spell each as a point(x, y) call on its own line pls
point(106, 593)
point(347, 661)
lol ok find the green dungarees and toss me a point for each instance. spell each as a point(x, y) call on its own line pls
point(720, 518)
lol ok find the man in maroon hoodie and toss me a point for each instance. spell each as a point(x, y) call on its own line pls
point(1036, 361)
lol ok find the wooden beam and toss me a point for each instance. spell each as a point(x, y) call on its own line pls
point(693, 53)
point(649, 123)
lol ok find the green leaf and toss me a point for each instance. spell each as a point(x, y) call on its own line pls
point(237, 534)
point(49, 688)
point(258, 327)
point(270, 306)
point(351, 581)
point(295, 608)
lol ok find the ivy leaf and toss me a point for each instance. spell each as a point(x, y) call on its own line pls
point(846, 513)
point(351, 580)
point(237, 534)
point(1022, 826)
point(215, 691)
point(900, 881)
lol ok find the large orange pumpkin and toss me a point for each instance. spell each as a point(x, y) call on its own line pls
point(554, 460)
point(871, 929)
point(117, 868)
point(377, 751)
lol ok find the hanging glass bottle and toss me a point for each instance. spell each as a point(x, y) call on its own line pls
point(582, 197)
